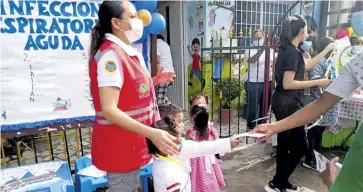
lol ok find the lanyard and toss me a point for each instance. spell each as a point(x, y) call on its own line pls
point(169, 159)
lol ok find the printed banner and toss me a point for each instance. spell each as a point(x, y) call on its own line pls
point(44, 62)
point(42, 177)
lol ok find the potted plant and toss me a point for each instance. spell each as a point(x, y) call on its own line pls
point(229, 89)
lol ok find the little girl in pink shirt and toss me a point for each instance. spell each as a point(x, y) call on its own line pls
point(206, 173)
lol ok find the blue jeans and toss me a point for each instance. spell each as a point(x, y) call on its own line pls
point(218, 68)
point(254, 93)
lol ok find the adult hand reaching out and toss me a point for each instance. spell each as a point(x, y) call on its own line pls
point(329, 175)
point(162, 77)
point(269, 129)
point(163, 141)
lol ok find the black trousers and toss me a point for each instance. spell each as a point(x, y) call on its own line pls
point(315, 136)
point(291, 144)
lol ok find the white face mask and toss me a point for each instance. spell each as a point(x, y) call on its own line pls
point(259, 42)
point(135, 33)
point(355, 49)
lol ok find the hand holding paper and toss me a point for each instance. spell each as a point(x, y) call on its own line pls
point(249, 134)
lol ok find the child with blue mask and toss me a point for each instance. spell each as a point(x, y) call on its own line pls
point(356, 44)
point(315, 134)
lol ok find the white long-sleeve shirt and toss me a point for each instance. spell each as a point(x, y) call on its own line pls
point(169, 176)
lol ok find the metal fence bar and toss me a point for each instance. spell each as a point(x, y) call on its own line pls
point(67, 150)
point(81, 141)
point(34, 149)
point(50, 145)
point(212, 60)
point(220, 93)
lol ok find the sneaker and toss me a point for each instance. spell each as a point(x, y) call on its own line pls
point(292, 188)
point(270, 187)
point(310, 165)
point(190, 83)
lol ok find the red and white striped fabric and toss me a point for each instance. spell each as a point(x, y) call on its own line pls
point(174, 187)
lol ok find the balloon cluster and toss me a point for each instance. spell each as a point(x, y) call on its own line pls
point(344, 32)
point(154, 23)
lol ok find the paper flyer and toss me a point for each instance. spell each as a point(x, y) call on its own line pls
point(255, 135)
point(92, 171)
point(320, 161)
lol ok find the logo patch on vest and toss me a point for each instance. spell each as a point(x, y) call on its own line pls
point(143, 89)
point(110, 66)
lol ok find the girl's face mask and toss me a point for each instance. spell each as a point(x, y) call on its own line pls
point(355, 49)
point(259, 42)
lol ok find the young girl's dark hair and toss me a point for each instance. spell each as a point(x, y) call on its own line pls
point(193, 98)
point(291, 27)
point(107, 11)
point(167, 124)
point(169, 109)
point(323, 43)
point(201, 120)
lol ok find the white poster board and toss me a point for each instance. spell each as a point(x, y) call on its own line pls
point(44, 62)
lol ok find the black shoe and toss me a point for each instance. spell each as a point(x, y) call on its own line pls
point(190, 83)
point(310, 165)
point(270, 187)
point(292, 188)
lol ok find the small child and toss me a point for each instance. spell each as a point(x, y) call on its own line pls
point(206, 171)
point(201, 100)
point(172, 174)
point(171, 109)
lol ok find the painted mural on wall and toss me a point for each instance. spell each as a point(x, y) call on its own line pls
point(195, 15)
point(219, 27)
point(311, 11)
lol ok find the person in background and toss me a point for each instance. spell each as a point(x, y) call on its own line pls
point(315, 133)
point(255, 78)
point(200, 100)
point(288, 98)
point(119, 131)
point(164, 59)
point(350, 177)
point(356, 45)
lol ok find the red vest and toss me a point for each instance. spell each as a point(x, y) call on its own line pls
point(113, 148)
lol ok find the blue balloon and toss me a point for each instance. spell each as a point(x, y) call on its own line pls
point(143, 37)
point(157, 24)
point(149, 5)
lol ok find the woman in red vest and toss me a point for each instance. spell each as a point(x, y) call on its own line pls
point(124, 98)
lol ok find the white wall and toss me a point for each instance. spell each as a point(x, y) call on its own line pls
point(176, 93)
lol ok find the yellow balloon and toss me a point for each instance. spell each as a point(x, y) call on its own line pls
point(350, 30)
point(145, 16)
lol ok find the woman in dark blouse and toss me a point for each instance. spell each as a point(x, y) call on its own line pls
point(288, 98)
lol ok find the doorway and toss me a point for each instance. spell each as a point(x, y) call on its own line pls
point(173, 34)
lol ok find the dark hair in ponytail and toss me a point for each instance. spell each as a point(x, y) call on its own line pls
point(291, 27)
point(167, 124)
point(201, 120)
point(107, 11)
